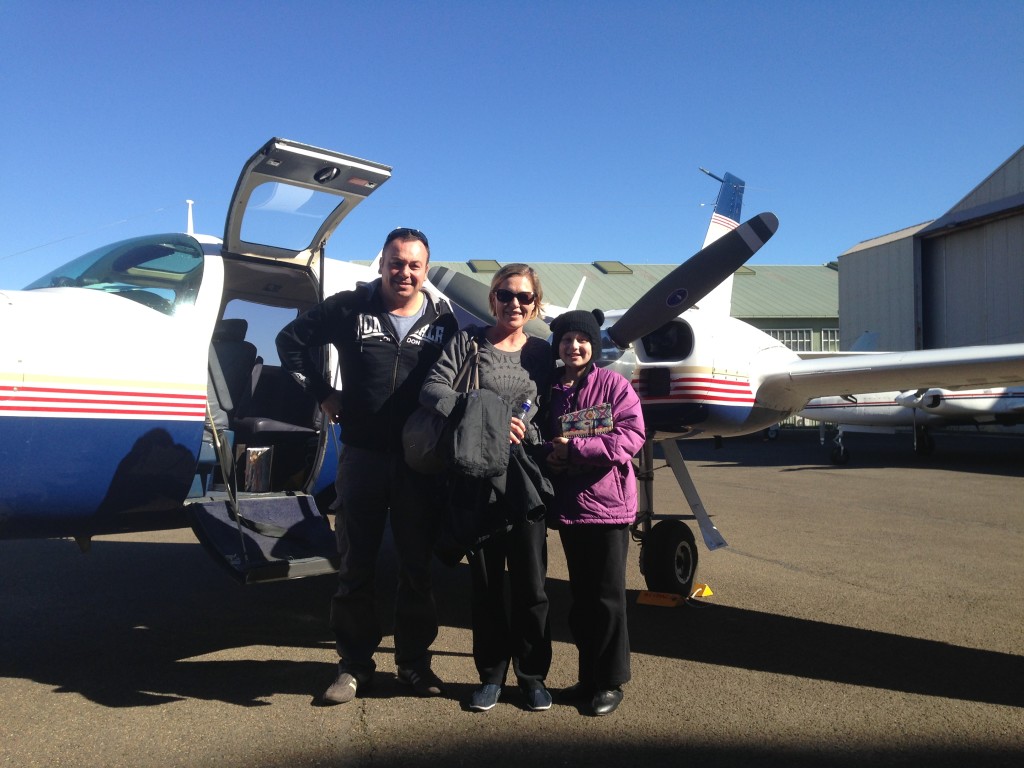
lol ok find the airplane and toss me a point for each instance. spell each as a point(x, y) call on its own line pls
point(921, 410)
point(701, 373)
point(140, 391)
point(139, 385)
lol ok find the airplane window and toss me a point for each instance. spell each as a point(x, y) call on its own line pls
point(162, 272)
point(264, 323)
point(285, 216)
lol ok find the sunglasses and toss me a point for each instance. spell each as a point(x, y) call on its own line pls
point(406, 233)
point(526, 298)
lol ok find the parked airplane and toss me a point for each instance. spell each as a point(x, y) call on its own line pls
point(123, 360)
point(921, 411)
point(703, 374)
point(139, 386)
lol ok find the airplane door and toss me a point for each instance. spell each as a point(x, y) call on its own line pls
point(288, 200)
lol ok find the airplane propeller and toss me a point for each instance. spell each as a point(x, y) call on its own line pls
point(679, 290)
point(694, 279)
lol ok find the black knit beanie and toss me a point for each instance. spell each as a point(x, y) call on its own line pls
point(577, 320)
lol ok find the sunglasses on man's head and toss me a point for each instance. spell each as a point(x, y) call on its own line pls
point(406, 233)
point(526, 298)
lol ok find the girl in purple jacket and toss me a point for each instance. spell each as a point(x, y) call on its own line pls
point(596, 427)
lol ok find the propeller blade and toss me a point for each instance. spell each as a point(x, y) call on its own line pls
point(694, 279)
point(474, 297)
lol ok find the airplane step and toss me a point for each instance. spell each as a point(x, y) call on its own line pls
point(274, 537)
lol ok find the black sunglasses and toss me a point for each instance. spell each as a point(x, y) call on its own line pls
point(406, 233)
point(526, 298)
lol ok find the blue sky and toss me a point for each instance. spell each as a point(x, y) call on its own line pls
point(533, 131)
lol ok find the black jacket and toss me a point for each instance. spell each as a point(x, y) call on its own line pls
point(381, 378)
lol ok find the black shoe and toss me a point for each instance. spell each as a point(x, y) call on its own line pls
point(423, 682)
point(575, 694)
point(605, 702)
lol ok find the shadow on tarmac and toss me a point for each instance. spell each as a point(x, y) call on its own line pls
point(129, 625)
point(800, 450)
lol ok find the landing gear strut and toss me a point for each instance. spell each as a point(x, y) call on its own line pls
point(839, 453)
point(668, 553)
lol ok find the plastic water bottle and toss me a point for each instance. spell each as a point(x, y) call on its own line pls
point(524, 409)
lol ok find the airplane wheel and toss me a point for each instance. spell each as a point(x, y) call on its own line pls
point(668, 558)
point(840, 455)
point(925, 445)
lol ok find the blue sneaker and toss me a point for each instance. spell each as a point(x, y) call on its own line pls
point(485, 697)
point(538, 698)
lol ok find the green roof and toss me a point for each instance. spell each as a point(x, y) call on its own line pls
point(757, 292)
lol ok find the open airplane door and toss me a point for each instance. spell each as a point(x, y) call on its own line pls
point(264, 524)
point(290, 198)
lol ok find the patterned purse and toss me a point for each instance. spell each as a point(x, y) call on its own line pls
point(587, 422)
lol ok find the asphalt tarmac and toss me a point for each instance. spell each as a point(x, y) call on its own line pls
point(871, 614)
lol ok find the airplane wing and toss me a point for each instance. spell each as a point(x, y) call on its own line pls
point(952, 368)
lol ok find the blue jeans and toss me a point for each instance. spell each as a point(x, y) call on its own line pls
point(372, 485)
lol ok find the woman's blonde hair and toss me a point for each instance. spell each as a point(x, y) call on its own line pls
point(519, 270)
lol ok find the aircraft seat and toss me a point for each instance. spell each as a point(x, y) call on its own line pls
point(231, 363)
point(278, 407)
point(232, 360)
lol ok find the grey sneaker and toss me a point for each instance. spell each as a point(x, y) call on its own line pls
point(344, 687)
point(485, 697)
point(423, 682)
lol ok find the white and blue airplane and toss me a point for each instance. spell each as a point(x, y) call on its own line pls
point(920, 410)
point(132, 377)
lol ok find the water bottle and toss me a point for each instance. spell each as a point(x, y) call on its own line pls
point(524, 409)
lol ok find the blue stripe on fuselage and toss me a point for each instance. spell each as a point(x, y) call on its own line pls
point(68, 476)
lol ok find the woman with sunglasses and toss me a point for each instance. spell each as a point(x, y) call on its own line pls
point(517, 367)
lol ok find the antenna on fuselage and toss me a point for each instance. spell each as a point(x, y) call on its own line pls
point(709, 173)
point(191, 229)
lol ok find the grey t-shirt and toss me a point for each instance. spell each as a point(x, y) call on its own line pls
point(514, 376)
point(404, 324)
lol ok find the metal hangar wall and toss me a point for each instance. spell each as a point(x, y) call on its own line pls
point(954, 281)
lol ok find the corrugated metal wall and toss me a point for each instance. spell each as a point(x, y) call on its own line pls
point(876, 294)
point(956, 282)
point(973, 285)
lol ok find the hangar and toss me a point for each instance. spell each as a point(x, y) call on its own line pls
point(955, 281)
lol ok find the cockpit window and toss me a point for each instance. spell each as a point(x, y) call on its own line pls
point(160, 271)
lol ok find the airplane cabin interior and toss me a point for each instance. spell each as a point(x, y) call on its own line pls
point(272, 425)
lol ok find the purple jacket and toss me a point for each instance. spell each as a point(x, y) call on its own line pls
point(600, 486)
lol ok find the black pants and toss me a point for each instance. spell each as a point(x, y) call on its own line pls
point(596, 556)
point(520, 630)
point(371, 487)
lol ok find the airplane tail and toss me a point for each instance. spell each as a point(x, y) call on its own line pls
point(726, 217)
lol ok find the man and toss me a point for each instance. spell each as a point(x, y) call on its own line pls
point(388, 335)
